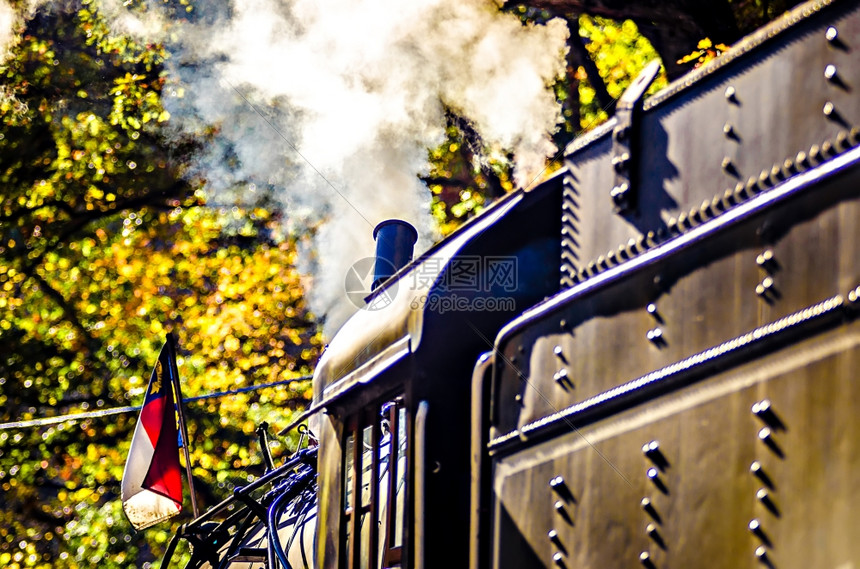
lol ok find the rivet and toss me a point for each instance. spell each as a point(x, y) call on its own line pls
point(814, 154)
point(651, 529)
point(752, 186)
point(559, 487)
point(827, 149)
point(731, 94)
point(655, 335)
point(610, 259)
point(653, 474)
point(645, 559)
point(562, 511)
point(648, 507)
point(764, 286)
point(762, 407)
point(650, 239)
point(756, 529)
point(828, 109)
point(727, 165)
point(558, 559)
point(763, 496)
point(560, 377)
point(717, 205)
point(788, 167)
point(729, 130)
point(842, 143)
point(776, 175)
point(802, 160)
point(764, 258)
point(672, 224)
point(830, 72)
point(761, 553)
point(620, 162)
point(654, 534)
point(696, 215)
point(558, 352)
point(765, 433)
point(757, 470)
point(651, 309)
point(854, 136)
point(618, 192)
point(764, 411)
point(832, 34)
point(552, 535)
point(652, 451)
point(562, 324)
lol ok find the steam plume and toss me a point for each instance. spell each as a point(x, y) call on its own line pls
point(329, 106)
point(334, 103)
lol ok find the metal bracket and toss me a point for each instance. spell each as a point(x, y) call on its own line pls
point(625, 138)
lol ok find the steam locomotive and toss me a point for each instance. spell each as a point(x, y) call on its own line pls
point(650, 359)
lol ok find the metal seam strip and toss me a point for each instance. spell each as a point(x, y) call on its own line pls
point(658, 379)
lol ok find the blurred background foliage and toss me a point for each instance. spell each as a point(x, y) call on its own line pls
point(107, 244)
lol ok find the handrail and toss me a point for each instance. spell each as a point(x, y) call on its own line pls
point(420, 486)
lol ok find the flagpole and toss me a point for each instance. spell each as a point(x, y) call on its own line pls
point(171, 343)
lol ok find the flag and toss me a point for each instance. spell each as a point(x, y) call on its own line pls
point(151, 482)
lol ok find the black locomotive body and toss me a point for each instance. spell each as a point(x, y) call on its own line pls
point(666, 340)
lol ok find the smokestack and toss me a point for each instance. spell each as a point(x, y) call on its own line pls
point(394, 241)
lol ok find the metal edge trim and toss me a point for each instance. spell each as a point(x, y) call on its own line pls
point(420, 473)
point(738, 214)
point(652, 384)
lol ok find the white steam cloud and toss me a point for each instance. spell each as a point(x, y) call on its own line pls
point(329, 106)
point(334, 104)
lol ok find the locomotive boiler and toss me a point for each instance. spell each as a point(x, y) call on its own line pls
point(650, 359)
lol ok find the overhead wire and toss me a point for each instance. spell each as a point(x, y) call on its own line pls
point(47, 421)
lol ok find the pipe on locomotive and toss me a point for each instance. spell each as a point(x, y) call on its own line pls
point(395, 240)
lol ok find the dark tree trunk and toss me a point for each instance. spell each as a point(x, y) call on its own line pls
point(673, 27)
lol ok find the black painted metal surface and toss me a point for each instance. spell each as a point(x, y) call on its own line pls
point(690, 399)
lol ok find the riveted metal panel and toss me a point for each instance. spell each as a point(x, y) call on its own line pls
point(781, 101)
point(725, 497)
point(784, 257)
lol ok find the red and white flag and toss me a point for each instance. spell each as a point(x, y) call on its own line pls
point(151, 482)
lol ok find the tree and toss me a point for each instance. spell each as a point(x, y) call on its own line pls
point(105, 246)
